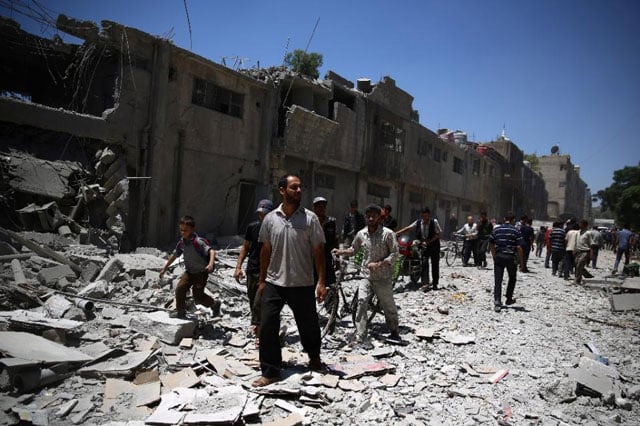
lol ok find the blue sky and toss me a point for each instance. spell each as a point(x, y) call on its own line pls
point(563, 72)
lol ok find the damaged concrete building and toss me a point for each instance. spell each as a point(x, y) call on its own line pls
point(184, 135)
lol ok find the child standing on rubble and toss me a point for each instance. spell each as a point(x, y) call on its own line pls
point(199, 260)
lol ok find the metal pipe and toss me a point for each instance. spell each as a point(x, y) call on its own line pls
point(87, 305)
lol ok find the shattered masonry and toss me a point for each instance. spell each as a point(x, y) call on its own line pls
point(168, 119)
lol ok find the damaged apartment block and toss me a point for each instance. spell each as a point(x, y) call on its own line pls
point(162, 132)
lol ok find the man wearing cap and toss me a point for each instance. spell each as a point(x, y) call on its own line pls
point(331, 238)
point(353, 222)
point(381, 250)
point(251, 248)
point(292, 243)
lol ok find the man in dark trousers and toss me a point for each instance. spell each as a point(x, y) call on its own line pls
point(353, 222)
point(251, 250)
point(292, 243)
point(427, 236)
point(506, 249)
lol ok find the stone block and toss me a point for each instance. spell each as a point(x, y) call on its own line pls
point(50, 276)
point(160, 324)
point(97, 289)
point(90, 271)
point(111, 270)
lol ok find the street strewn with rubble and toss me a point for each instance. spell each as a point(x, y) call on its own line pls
point(94, 344)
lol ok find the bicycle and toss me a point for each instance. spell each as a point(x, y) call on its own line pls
point(454, 249)
point(328, 310)
point(332, 309)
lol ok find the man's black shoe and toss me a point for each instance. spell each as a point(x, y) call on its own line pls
point(511, 301)
point(497, 308)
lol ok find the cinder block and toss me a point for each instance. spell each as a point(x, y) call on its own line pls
point(50, 276)
point(160, 324)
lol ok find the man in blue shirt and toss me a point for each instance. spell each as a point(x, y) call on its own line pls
point(622, 245)
point(506, 248)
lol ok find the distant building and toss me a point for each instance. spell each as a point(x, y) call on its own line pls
point(568, 193)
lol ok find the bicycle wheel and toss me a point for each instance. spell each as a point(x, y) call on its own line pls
point(415, 270)
point(374, 308)
point(328, 310)
point(452, 253)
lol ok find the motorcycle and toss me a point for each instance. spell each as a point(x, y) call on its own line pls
point(409, 262)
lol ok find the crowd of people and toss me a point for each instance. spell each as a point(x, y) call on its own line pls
point(289, 253)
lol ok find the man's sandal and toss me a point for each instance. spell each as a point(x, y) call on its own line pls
point(264, 381)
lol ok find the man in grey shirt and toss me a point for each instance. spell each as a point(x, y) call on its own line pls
point(292, 240)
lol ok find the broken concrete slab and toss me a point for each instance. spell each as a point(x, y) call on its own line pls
point(186, 378)
point(36, 320)
point(225, 406)
point(35, 348)
point(425, 333)
point(293, 419)
point(111, 270)
point(596, 376)
point(160, 324)
point(136, 264)
point(98, 289)
point(458, 339)
point(122, 366)
point(625, 301)
point(50, 276)
point(116, 390)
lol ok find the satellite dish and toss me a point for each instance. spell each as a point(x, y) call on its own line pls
point(555, 149)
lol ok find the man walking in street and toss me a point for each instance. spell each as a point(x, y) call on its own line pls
point(595, 247)
point(381, 250)
point(330, 236)
point(622, 245)
point(557, 241)
point(571, 239)
point(292, 242)
point(427, 234)
point(484, 231)
point(506, 249)
point(583, 249)
point(251, 250)
point(470, 233)
point(353, 222)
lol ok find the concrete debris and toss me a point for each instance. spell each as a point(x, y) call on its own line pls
point(625, 301)
point(596, 376)
point(128, 362)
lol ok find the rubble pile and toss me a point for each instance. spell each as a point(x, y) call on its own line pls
point(63, 197)
point(86, 337)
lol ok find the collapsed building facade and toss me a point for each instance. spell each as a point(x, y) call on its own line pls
point(172, 133)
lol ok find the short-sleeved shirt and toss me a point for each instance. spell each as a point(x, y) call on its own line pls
point(292, 241)
point(572, 239)
point(527, 234)
point(557, 238)
point(584, 240)
point(506, 238)
point(253, 258)
point(196, 253)
point(379, 245)
point(624, 237)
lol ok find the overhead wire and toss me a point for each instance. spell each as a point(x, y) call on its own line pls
point(186, 9)
point(284, 101)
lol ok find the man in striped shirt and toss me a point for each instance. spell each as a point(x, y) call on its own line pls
point(506, 249)
point(557, 246)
